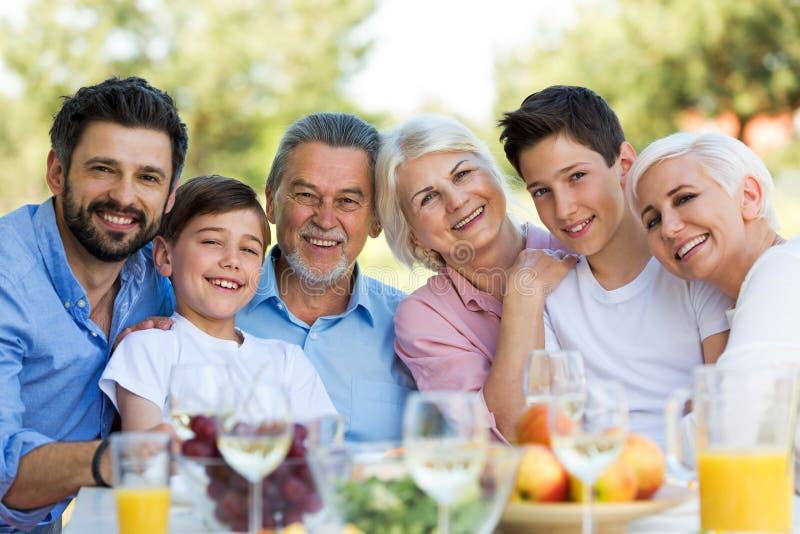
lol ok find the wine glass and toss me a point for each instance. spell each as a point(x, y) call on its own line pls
point(588, 441)
point(255, 438)
point(553, 371)
point(445, 437)
point(201, 393)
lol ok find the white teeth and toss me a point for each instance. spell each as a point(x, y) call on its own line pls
point(690, 245)
point(117, 220)
point(322, 242)
point(225, 283)
point(471, 216)
point(580, 226)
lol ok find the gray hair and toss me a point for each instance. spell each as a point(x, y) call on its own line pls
point(725, 160)
point(333, 129)
point(420, 135)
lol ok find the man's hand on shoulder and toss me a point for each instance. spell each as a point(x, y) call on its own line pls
point(160, 323)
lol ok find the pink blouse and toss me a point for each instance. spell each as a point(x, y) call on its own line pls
point(447, 330)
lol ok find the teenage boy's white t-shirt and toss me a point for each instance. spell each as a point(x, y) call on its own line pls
point(143, 362)
point(647, 334)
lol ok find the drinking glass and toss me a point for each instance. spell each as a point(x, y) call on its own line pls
point(255, 438)
point(588, 441)
point(739, 437)
point(199, 390)
point(445, 437)
point(140, 467)
point(553, 371)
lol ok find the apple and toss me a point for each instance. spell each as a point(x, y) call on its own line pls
point(647, 462)
point(533, 426)
point(540, 476)
point(616, 484)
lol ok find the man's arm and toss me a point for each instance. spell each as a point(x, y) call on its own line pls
point(53, 472)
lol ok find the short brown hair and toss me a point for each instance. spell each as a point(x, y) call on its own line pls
point(576, 112)
point(208, 195)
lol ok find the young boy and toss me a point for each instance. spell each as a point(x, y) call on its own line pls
point(632, 320)
point(212, 245)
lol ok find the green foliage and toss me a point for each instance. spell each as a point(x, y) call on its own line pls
point(652, 59)
point(240, 71)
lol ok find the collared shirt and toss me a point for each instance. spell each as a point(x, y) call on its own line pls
point(448, 330)
point(353, 352)
point(51, 352)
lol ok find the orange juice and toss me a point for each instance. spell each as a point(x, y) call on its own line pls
point(142, 510)
point(745, 490)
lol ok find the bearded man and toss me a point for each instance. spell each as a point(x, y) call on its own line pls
point(312, 293)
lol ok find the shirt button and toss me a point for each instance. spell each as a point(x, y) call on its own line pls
point(280, 306)
point(67, 304)
point(81, 303)
point(313, 335)
point(94, 334)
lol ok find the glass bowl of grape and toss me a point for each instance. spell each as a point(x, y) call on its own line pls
point(221, 497)
point(369, 487)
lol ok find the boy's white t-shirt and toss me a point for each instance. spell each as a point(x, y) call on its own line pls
point(647, 334)
point(143, 362)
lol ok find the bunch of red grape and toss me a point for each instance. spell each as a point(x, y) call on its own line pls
point(287, 493)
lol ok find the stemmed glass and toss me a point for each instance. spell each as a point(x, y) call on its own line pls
point(445, 437)
point(255, 438)
point(588, 441)
point(199, 390)
point(549, 372)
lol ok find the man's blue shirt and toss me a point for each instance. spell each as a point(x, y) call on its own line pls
point(51, 353)
point(353, 352)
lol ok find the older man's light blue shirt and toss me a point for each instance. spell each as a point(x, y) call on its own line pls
point(353, 352)
point(51, 352)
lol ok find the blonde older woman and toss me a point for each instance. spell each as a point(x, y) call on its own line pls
point(706, 203)
point(442, 203)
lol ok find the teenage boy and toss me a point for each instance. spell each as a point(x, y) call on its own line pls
point(212, 247)
point(632, 320)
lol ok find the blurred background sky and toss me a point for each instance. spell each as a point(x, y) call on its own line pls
point(242, 70)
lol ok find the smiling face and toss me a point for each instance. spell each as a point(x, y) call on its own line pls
point(451, 200)
point(116, 191)
point(322, 210)
point(577, 195)
point(215, 266)
point(694, 227)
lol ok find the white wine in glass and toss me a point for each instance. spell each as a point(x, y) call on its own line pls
point(255, 438)
point(445, 437)
point(548, 372)
point(587, 443)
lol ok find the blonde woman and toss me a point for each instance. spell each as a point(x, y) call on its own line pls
point(443, 204)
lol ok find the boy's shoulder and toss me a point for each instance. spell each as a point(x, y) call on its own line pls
point(269, 345)
point(149, 336)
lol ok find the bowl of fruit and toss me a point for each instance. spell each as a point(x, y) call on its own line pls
point(547, 499)
point(368, 486)
point(221, 497)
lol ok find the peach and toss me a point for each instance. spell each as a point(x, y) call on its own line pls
point(540, 476)
point(647, 462)
point(616, 484)
point(533, 425)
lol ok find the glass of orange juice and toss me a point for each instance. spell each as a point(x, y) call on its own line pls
point(140, 463)
point(741, 432)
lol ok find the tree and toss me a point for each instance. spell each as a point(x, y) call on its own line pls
point(240, 71)
point(652, 59)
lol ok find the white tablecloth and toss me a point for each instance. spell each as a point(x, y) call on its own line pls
point(94, 513)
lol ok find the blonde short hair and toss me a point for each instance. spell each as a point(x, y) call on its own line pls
point(725, 160)
point(417, 137)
